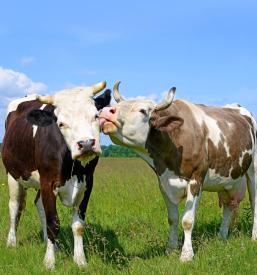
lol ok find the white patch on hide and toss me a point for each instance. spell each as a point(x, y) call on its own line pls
point(214, 132)
point(35, 127)
point(173, 187)
point(32, 182)
point(72, 192)
point(250, 152)
point(13, 105)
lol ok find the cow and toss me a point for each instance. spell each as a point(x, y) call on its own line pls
point(192, 148)
point(51, 143)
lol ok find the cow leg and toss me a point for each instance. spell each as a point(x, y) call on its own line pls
point(17, 202)
point(84, 203)
point(52, 221)
point(254, 231)
point(78, 230)
point(250, 179)
point(41, 212)
point(188, 220)
point(224, 227)
point(173, 219)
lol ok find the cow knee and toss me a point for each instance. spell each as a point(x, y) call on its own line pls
point(173, 221)
point(187, 223)
point(53, 228)
point(78, 228)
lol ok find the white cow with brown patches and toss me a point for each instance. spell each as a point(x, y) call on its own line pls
point(192, 148)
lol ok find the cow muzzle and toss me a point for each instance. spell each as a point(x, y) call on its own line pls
point(86, 146)
point(85, 150)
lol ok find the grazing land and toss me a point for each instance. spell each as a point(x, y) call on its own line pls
point(127, 229)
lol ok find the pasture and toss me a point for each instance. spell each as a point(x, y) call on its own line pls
point(127, 230)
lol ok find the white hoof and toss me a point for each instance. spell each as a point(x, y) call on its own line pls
point(49, 260)
point(11, 241)
point(80, 260)
point(254, 236)
point(49, 263)
point(187, 256)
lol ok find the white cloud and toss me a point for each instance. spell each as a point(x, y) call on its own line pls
point(27, 60)
point(13, 85)
point(16, 84)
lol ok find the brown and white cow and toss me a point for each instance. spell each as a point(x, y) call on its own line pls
point(52, 144)
point(191, 147)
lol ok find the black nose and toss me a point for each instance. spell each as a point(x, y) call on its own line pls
point(86, 146)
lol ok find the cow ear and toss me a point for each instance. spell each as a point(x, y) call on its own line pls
point(167, 123)
point(41, 118)
point(103, 100)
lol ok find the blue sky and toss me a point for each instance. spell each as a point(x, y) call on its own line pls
point(207, 49)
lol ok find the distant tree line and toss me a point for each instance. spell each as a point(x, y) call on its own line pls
point(111, 151)
point(115, 151)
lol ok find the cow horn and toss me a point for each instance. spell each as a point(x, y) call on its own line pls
point(98, 87)
point(49, 99)
point(167, 101)
point(116, 94)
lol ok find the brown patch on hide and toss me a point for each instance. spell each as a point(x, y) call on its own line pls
point(236, 133)
point(176, 141)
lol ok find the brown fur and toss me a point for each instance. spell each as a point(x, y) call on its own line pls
point(176, 141)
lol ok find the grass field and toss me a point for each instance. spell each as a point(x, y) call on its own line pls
point(127, 230)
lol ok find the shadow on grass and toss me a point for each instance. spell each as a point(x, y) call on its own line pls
point(97, 240)
point(240, 225)
point(104, 242)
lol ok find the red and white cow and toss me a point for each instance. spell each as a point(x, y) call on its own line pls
point(52, 144)
point(191, 147)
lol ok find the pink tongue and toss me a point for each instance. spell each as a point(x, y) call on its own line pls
point(102, 121)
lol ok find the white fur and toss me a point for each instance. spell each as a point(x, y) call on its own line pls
point(32, 182)
point(35, 127)
point(72, 192)
point(201, 117)
point(250, 152)
point(15, 193)
point(13, 105)
point(49, 260)
point(80, 122)
point(77, 229)
point(189, 219)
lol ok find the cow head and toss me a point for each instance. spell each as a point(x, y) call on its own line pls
point(76, 115)
point(128, 122)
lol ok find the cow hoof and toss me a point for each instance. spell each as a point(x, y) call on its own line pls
point(254, 236)
point(186, 256)
point(11, 242)
point(49, 263)
point(222, 236)
point(80, 261)
point(56, 248)
point(171, 248)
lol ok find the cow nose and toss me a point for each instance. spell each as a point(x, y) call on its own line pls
point(112, 110)
point(86, 145)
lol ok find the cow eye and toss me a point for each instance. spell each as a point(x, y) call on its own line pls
point(143, 111)
point(61, 124)
point(96, 116)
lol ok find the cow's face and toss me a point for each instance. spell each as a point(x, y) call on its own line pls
point(77, 118)
point(128, 122)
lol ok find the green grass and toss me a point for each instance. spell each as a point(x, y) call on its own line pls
point(127, 230)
